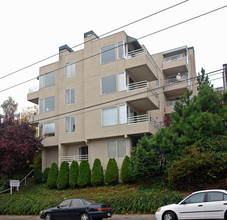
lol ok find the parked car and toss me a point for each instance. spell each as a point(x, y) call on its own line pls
point(206, 204)
point(77, 209)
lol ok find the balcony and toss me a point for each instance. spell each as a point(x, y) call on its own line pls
point(175, 64)
point(32, 95)
point(141, 66)
point(70, 159)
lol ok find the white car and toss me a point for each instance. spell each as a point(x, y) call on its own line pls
point(206, 204)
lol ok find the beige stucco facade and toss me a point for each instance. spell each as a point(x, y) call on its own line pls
point(97, 102)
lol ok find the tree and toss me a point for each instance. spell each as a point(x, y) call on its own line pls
point(97, 177)
point(84, 174)
point(73, 174)
point(45, 174)
point(9, 107)
point(111, 175)
point(52, 176)
point(125, 174)
point(63, 175)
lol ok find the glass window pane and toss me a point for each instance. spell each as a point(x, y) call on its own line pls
point(120, 49)
point(41, 81)
point(121, 81)
point(49, 129)
point(72, 96)
point(49, 104)
point(73, 124)
point(70, 69)
point(40, 105)
point(111, 149)
point(121, 148)
point(108, 54)
point(215, 196)
point(67, 97)
point(65, 203)
point(50, 79)
point(195, 198)
point(109, 116)
point(122, 114)
point(109, 84)
point(67, 124)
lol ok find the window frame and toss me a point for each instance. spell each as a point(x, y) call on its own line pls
point(70, 124)
point(109, 49)
point(44, 104)
point(47, 134)
point(115, 116)
point(71, 67)
point(116, 146)
point(71, 91)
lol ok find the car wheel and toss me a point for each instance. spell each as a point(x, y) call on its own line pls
point(169, 216)
point(84, 216)
point(48, 216)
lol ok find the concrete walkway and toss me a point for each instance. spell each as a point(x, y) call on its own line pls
point(114, 217)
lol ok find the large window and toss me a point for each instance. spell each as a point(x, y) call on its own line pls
point(70, 96)
point(121, 50)
point(108, 54)
point(49, 104)
point(109, 84)
point(47, 80)
point(116, 149)
point(47, 130)
point(123, 114)
point(122, 82)
point(70, 124)
point(109, 116)
point(70, 69)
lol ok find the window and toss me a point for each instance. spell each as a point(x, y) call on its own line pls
point(49, 104)
point(121, 50)
point(197, 198)
point(215, 196)
point(116, 149)
point(47, 80)
point(49, 129)
point(108, 54)
point(123, 114)
point(40, 105)
point(122, 82)
point(109, 116)
point(65, 203)
point(109, 84)
point(70, 69)
point(70, 124)
point(76, 203)
point(70, 96)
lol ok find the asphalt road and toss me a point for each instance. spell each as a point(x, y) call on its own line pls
point(114, 217)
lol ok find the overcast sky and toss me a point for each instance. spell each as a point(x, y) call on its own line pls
point(32, 30)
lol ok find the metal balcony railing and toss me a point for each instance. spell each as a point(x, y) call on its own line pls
point(175, 80)
point(138, 85)
point(33, 89)
point(69, 159)
point(175, 57)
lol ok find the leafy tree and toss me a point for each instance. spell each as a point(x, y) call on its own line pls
point(63, 175)
point(73, 174)
point(52, 176)
point(84, 174)
point(45, 174)
point(111, 175)
point(97, 176)
point(125, 174)
point(9, 107)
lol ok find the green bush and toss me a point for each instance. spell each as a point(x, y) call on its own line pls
point(97, 177)
point(73, 174)
point(84, 174)
point(111, 175)
point(52, 176)
point(125, 174)
point(45, 174)
point(63, 175)
point(38, 176)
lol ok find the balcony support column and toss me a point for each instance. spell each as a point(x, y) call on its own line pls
point(61, 152)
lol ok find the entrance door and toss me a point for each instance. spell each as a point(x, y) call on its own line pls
point(83, 152)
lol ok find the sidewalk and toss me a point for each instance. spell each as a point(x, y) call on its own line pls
point(114, 217)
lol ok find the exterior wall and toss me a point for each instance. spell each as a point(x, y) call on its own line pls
point(89, 100)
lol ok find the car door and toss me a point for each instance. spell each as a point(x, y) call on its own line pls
point(62, 211)
point(216, 205)
point(192, 207)
point(75, 209)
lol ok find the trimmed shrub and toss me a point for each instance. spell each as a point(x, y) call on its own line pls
point(73, 174)
point(111, 175)
point(52, 176)
point(97, 177)
point(45, 174)
point(63, 175)
point(84, 174)
point(38, 176)
point(125, 175)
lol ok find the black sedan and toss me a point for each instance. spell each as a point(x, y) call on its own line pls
point(77, 209)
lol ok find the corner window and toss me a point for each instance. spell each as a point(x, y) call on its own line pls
point(109, 116)
point(47, 80)
point(116, 149)
point(70, 96)
point(108, 54)
point(49, 104)
point(70, 69)
point(109, 84)
point(70, 124)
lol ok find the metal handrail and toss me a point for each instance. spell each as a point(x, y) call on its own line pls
point(138, 85)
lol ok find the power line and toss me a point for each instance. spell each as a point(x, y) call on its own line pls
point(133, 22)
point(97, 54)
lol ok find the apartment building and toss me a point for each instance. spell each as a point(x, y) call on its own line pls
point(97, 102)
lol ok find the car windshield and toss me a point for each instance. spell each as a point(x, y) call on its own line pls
point(90, 202)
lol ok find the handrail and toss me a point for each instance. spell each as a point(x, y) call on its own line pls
point(138, 85)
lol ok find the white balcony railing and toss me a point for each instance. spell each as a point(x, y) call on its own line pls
point(138, 85)
point(175, 80)
point(69, 159)
point(33, 89)
point(175, 57)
